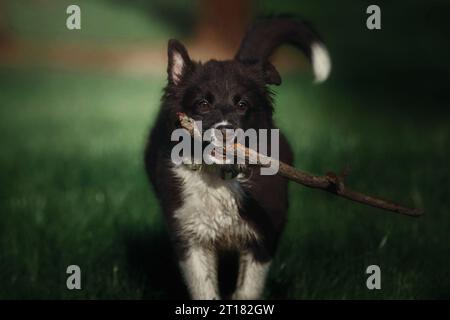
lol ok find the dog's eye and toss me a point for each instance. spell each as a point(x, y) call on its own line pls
point(242, 106)
point(203, 106)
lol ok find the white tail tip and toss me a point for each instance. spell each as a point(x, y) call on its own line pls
point(321, 62)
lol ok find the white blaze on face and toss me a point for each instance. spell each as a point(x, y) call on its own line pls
point(217, 141)
point(216, 132)
point(321, 62)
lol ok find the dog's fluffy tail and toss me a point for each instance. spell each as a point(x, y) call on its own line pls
point(267, 35)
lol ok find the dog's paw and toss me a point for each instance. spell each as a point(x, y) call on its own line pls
point(241, 295)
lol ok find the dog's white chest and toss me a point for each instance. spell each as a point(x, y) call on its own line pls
point(210, 209)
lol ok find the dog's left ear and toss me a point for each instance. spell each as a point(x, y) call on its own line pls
point(271, 75)
point(179, 61)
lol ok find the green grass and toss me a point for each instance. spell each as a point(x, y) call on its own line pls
point(73, 188)
point(74, 191)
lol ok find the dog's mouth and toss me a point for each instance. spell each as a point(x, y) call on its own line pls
point(217, 145)
point(218, 155)
point(223, 136)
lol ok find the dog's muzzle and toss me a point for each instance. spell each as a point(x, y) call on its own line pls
point(223, 134)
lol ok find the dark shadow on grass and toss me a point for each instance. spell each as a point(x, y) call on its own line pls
point(152, 264)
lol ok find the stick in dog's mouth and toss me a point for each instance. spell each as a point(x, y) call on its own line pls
point(331, 182)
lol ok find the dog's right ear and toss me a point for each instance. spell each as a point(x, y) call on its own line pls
point(179, 61)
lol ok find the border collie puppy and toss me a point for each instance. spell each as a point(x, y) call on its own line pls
point(206, 213)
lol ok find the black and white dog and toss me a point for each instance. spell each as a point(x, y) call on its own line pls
point(206, 213)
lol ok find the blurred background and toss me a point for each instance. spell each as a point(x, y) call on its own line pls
point(76, 106)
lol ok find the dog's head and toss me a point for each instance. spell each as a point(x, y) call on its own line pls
point(234, 94)
point(222, 94)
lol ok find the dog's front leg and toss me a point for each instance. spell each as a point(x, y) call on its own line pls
point(199, 269)
point(251, 278)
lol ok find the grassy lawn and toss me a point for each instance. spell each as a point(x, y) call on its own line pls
point(74, 192)
point(73, 188)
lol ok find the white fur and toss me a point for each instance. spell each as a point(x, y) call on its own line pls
point(251, 279)
point(199, 270)
point(221, 123)
point(208, 220)
point(209, 214)
point(320, 61)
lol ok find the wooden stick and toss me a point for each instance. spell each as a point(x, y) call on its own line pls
point(330, 182)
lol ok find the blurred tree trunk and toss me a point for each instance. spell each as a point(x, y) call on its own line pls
point(221, 25)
